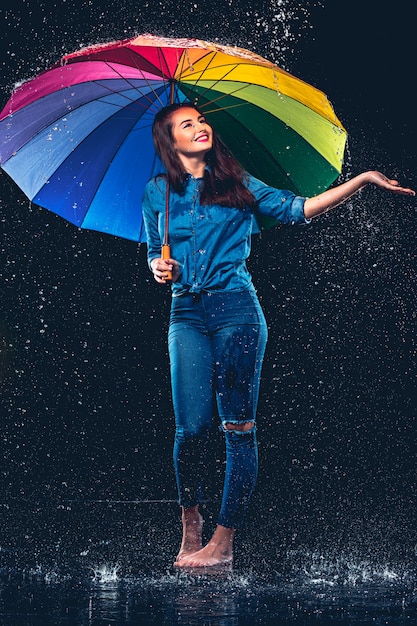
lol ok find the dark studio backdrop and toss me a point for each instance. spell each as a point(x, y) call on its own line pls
point(85, 404)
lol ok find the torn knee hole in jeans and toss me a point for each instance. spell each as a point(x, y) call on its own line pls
point(238, 427)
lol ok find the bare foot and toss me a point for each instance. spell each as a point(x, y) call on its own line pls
point(192, 528)
point(218, 551)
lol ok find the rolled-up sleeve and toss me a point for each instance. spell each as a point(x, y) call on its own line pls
point(282, 205)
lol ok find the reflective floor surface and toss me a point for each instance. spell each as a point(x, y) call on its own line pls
point(106, 563)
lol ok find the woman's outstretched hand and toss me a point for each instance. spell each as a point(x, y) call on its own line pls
point(331, 198)
point(387, 183)
point(160, 268)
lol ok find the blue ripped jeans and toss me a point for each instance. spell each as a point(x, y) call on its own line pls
point(216, 346)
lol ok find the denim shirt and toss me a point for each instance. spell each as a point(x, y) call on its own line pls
point(211, 243)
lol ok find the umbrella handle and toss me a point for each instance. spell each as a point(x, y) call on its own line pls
point(166, 254)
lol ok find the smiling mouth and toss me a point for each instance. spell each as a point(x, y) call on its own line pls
point(202, 137)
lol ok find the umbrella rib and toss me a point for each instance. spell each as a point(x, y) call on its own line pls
point(226, 95)
point(122, 95)
point(162, 77)
point(216, 82)
point(144, 95)
point(164, 72)
point(226, 108)
point(201, 72)
point(180, 70)
point(162, 62)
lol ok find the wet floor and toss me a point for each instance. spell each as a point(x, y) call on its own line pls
point(105, 563)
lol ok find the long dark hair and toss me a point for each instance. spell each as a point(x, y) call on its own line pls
point(224, 180)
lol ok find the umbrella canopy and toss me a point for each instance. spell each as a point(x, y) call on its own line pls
point(77, 139)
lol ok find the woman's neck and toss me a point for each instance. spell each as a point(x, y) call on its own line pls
point(194, 166)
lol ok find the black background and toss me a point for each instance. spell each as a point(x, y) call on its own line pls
point(85, 407)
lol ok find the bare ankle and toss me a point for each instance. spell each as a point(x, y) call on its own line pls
point(223, 536)
point(192, 525)
point(191, 516)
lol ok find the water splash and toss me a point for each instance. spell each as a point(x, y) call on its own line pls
point(319, 568)
point(106, 573)
point(282, 25)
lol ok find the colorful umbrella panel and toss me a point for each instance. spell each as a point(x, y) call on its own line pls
point(77, 139)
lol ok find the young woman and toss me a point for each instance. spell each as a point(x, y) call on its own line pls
point(217, 333)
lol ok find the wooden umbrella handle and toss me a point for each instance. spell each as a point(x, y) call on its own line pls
point(166, 254)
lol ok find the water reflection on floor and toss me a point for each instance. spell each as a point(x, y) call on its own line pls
point(100, 564)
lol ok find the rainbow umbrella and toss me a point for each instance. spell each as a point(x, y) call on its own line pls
point(77, 138)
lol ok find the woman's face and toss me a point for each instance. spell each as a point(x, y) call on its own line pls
point(192, 134)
